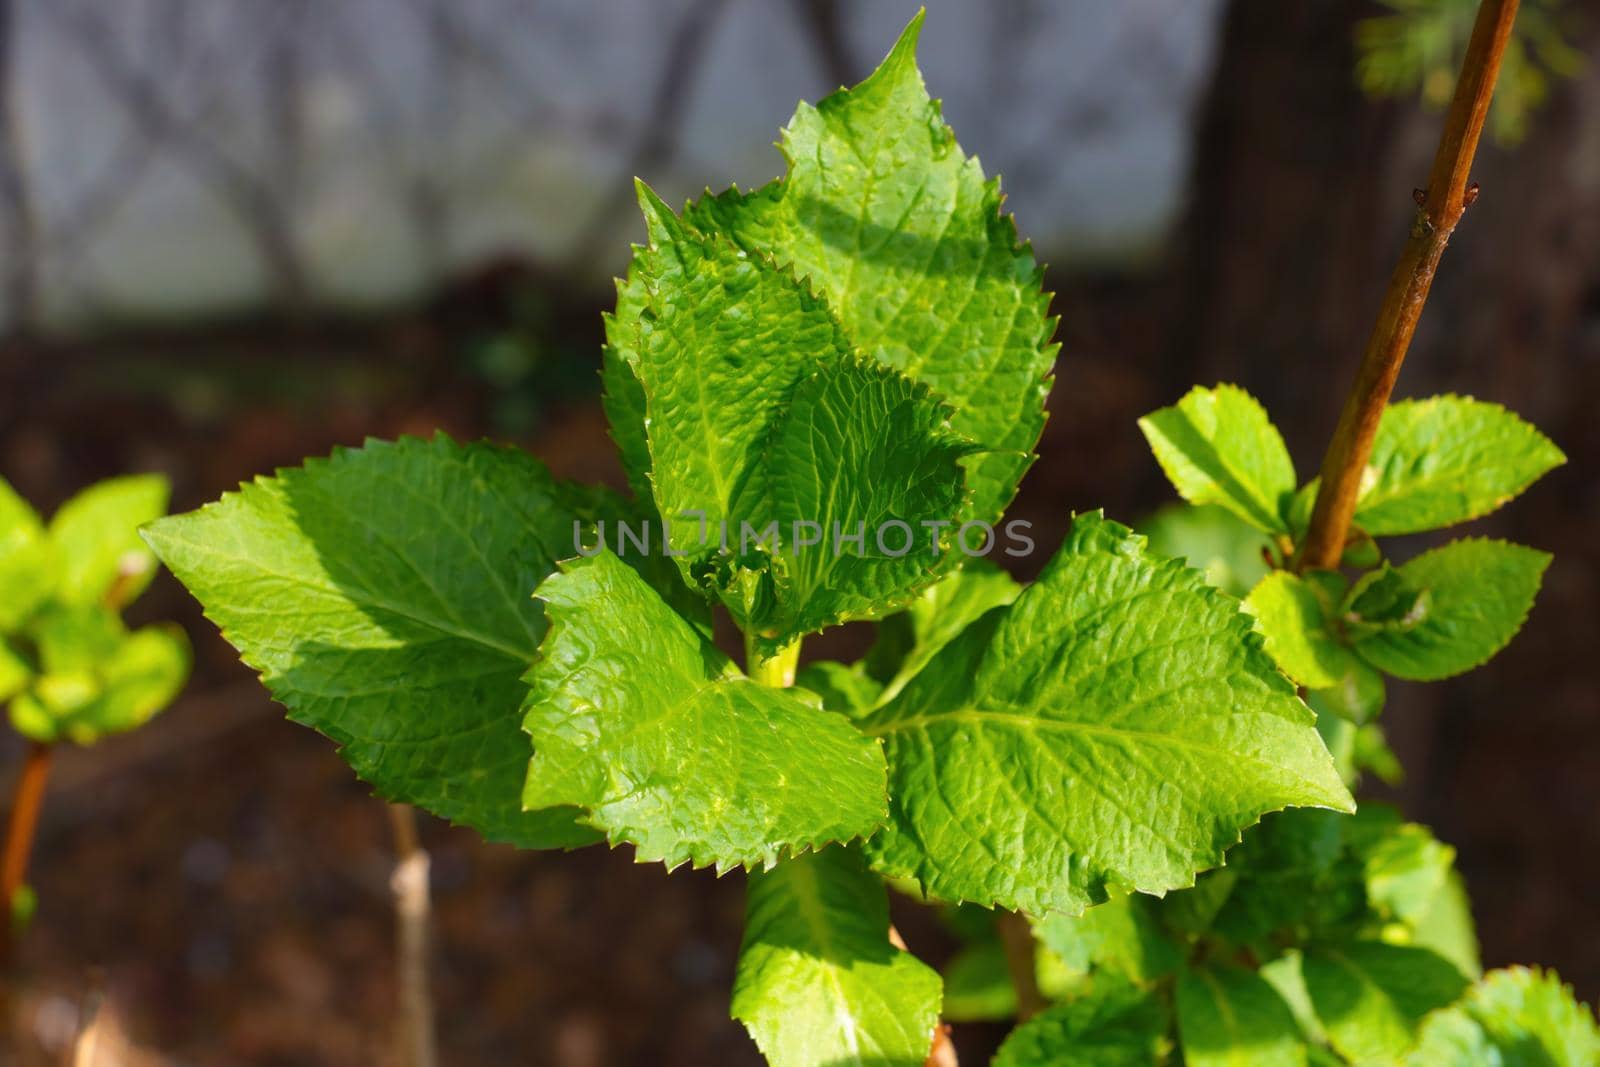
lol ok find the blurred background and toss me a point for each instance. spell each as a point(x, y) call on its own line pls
point(237, 234)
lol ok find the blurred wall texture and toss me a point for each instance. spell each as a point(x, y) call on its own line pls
point(164, 158)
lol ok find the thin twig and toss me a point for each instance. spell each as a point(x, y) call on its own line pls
point(1016, 936)
point(411, 905)
point(1440, 208)
point(20, 827)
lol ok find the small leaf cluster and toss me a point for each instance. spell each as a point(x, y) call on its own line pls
point(1327, 938)
point(70, 669)
point(1435, 463)
point(862, 343)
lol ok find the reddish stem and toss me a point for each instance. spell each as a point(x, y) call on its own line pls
point(23, 821)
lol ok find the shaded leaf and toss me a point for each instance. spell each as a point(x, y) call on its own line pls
point(1231, 1017)
point(1371, 997)
point(1112, 1025)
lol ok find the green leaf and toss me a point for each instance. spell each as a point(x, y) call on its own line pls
point(1289, 880)
point(622, 394)
point(1406, 871)
point(882, 215)
point(1516, 1017)
point(908, 641)
point(27, 562)
point(772, 443)
point(858, 448)
point(847, 689)
point(1445, 460)
point(1116, 726)
point(1231, 1017)
point(94, 677)
point(818, 981)
point(142, 677)
point(386, 596)
point(15, 670)
point(1291, 614)
point(1217, 446)
point(1120, 935)
point(1283, 974)
point(1371, 996)
point(1383, 600)
point(1210, 539)
point(1372, 753)
point(638, 719)
point(1113, 1025)
point(1479, 593)
point(96, 539)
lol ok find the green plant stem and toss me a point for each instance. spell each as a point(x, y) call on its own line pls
point(1439, 210)
point(776, 670)
point(26, 803)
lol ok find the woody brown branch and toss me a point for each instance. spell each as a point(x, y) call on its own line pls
point(1441, 206)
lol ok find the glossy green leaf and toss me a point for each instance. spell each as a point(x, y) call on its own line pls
point(884, 216)
point(1371, 997)
point(1445, 460)
point(385, 594)
point(1217, 446)
point(1116, 726)
point(1479, 593)
point(818, 982)
point(640, 721)
point(1112, 1025)
point(1291, 613)
point(1231, 1017)
point(99, 555)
